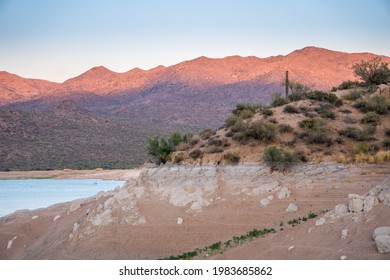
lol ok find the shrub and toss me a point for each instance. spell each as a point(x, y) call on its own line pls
point(353, 95)
point(377, 104)
point(214, 142)
point(348, 85)
point(341, 159)
point(291, 109)
point(285, 128)
point(362, 148)
point(296, 97)
point(195, 154)
point(232, 158)
point(231, 120)
point(371, 118)
point(326, 112)
point(386, 143)
point(178, 157)
point(357, 134)
point(214, 150)
point(267, 112)
point(307, 124)
point(382, 156)
point(321, 96)
point(229, 134)
point(161, 148)
point(239, 136)
point(373, 72)
point(387, 131)
point(263, 131)
point(278, 100)
point(277, 156)
point(205, 134)
point(246, 110)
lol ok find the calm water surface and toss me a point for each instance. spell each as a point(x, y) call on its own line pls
point(32, 194)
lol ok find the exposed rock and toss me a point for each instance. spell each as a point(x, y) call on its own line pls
point(74, 206)
point(56, 218)
point(292, 208)
point(369, 202)
point(343, 257)
point(264, 202)
point(75, 227)
point(34, 217)
point(344, 233)
point(270, 197)
point(381, 231)
point(375, 191)
point(180, 221)
point(320, 222)
point(290, 248)
point(355, 203)
point(284, 193)
point(341, 209)
point(384, 195)
point(383, 243)
point(9, 245)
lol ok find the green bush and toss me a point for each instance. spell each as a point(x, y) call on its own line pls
point(231, 120)
point(285, 128)
point(371, 118)
point(377, 104)
point(326, 111)
point(291, 109)
point(214, 142)
point(362, 148)
point(161, 148)
point(267, 112)
point(263, 131)
point(353, 95)
point(275, 157)
point(348, 85)
point(321, 96)
point(386, 143)
point(278, 100)
point(387, 131)
point(232, 158)
point(206, 134)
point(195, 154)
point(373, 72)
point(246, 110)
point(357, 133)
point(214, 150)
point(308, 124)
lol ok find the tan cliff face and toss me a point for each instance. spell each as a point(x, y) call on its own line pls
point(316, 67)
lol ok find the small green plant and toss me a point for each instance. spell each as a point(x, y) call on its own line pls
point(353, 95)
point(307, 124)
point(206, 134)
point(195, 154)
point(275, 157)
point(377, 104)
point(322, 96)
point(267, 112)
point(386, 143)
point(357, 133)
point(285, 128)
point(348, 85)
point(278, 100)
point(373, 72)
point(232, 158)
point(362, 148)
point(371, 118)
point(291, 109)
point(246, 110)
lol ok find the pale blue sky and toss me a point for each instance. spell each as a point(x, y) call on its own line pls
point(59, 39)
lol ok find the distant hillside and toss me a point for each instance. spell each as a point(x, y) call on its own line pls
point(67, 136)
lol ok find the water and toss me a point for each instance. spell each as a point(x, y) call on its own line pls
point(33, 194)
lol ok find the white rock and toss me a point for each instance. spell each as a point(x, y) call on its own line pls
point(292, 208)
point(341, 209)
point(109, 203)
point(180, 220)
point(284, 193)
point(355, 203)
point(75, 227)
point(343, 257)
point(56, 218)
point(34, 217)
point(344, 233)
point(320, 222)
point(290, 248)
point(74, 206)
point(264, 202)
point(375, 190)
point(383, 243)
point(381, 231)
point(368, 203)
point(9, 245)
point(270, 197)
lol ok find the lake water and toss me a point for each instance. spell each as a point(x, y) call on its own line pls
point(33, 194)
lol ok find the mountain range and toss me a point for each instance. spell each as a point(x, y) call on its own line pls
point(188, 96)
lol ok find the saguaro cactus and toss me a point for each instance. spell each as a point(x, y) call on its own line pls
point(286, 84)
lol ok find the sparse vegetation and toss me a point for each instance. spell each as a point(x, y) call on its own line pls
point(348, 85)
point(161, 148)
point(195, 154)
point(232, 158)
point(353, 95)
point(371, 118)
point(377, 104)
point(285, 128)
point(291, 109)
point(278, 100)
point(206, 134)
point(357, 133)
point(276, 157)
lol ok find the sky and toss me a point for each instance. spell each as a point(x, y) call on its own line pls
point(57, 39)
